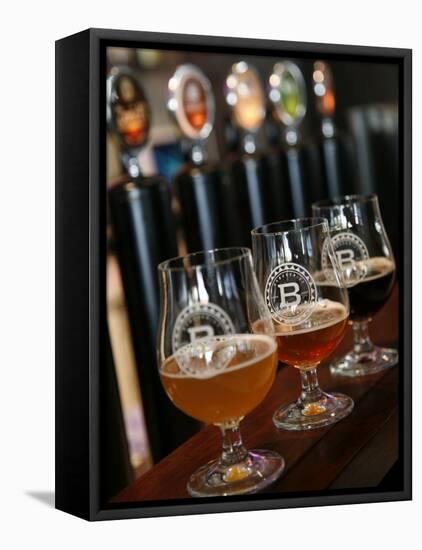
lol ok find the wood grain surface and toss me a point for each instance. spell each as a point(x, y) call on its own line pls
point(356, 452)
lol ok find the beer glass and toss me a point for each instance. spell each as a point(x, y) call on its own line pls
point(367, 264)
point(309, 309)
point(218, 360)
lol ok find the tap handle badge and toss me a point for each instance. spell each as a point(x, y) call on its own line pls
point(191, 101)
point(128, 113)
point(245, 96)
point(323, 86)
point(287, 93)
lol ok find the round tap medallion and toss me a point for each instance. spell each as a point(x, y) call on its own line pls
point(195, 103)
point(351, 254)
point(245, 96)
point(288, 93)
point(127, 108)
point(290, 293)
point(200, 321)
point(191, 101)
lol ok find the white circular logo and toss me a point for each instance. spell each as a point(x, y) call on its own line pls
point(199, 321)
point(290, 293)
point(206, 358)
point(351, 253)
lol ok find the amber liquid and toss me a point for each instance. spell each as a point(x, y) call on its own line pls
point(228, 394)
point(306, 345)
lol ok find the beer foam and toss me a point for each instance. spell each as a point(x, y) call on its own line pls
point(325, 313)
point(380, 264)
point(210, 357)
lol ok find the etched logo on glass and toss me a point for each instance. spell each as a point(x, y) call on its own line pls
point(290, 293)
point(199, 321)
point(351, 254)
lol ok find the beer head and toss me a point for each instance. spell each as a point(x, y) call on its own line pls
point(208, 294)
point(213, 356)
point(288, 259)
point(361, 250)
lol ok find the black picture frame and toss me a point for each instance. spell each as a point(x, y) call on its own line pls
point(80, 256)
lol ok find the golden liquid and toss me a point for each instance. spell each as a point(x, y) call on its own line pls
point(217, 397)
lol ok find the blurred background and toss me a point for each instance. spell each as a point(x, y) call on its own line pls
point(270, 136)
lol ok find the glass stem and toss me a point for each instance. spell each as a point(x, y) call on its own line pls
point(361, 340)
point(311, 392)
point(233, 449)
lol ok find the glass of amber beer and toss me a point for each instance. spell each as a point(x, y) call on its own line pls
point(367, 264)
point(218, 360)
point(309, 307)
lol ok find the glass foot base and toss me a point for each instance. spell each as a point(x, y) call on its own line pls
point(329, 409)
point(257, 471)
point(363, 364)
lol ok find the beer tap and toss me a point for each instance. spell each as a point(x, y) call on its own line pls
point(249, 171)
point(287, 93)
point(128, 116)
point(200, 186)
point(334, 148)
point(144, 235)
point(245, 96)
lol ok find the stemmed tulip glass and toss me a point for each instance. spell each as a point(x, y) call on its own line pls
point(367, 264)
point(218, 359)
point(309, 308)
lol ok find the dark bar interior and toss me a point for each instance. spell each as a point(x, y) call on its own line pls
point(179, 183)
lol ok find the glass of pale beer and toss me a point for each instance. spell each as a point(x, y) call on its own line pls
point(309, 307)
point(218, 360)
point(366, 260)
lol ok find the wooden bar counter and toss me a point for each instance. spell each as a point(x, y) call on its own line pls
point(356, 452)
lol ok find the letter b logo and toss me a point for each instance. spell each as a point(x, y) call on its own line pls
point(289, 294)
point(351, 253)
point(202, 331)
point(346, 258)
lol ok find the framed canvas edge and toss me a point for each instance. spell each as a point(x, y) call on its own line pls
point(72, 419)
point(98, 37)
point(407, 267)
point(257, 44)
